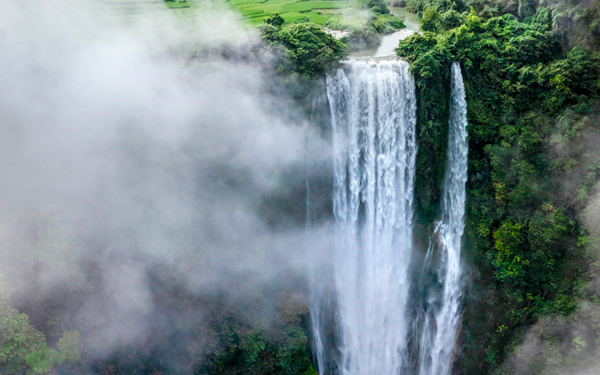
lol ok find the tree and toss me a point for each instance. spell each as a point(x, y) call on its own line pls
point(18, 338)
point(274, 20)
point(24, 348)
point(431, 20)
point(310, 48)
point(377, 6)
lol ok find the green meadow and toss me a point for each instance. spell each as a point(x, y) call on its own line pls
point(254, 11)
point(339, 14)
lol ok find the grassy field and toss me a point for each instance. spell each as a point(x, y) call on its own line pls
point(254, 11)
point(339, 14)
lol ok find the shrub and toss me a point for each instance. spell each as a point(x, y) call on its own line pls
point(377, 6)
point(387, 23)
point(310, 49)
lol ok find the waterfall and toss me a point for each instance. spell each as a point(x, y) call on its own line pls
point(443, 317)
point(373, 106)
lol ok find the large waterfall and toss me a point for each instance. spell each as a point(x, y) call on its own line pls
point(443, 315)
point(373, 107)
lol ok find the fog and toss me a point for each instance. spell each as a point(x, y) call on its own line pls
point(124, 157)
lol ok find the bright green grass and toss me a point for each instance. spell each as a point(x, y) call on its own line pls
point(254, 11)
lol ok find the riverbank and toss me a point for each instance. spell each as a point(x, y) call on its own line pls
point(389, 42)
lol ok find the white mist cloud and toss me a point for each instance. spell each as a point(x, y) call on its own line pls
point(129, 155)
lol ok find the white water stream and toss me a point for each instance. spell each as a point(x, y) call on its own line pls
point(373, 107)
point(443, 317)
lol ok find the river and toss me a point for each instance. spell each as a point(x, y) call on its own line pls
point(390, 41)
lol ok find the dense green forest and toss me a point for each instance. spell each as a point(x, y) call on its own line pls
point(532, 304)
point(532, 80)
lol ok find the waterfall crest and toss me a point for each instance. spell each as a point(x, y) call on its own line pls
point(373, 106)
point(442, 319)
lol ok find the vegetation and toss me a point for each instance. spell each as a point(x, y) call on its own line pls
point(529, 95)
point(256, 327)
point(364, 29)
point(308, 50)
point(24, 348)
point(252, 345)
point(376, 6)
point(368, 35)
point(255, 11)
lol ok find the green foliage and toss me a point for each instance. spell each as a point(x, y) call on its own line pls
point(311, 371)
point(558, 345)
point(591, 19)
point(42, 359)
point(18, 337)
point(526, 98)
point(23, 348)
point(292, 307)
point(591, 176)
point(67, 345)
point(526, 8)
point(387, 23)
point(451, 19)
point(377, 6)
point(363, 38)
point(246, 344)
point(509, 264)
point(274, 20)
point(431, 20)
point(308, 47)
point(441, 6)
point(575, 23)
point(255, 11)
point(251, 344)
point(292, 352)
point(312, 49)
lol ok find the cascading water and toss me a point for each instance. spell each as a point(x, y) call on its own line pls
point(443, 316)
point(373, 107)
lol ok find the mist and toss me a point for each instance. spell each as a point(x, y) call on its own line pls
point(128, 162)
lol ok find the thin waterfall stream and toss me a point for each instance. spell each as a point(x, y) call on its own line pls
point(443, 315)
